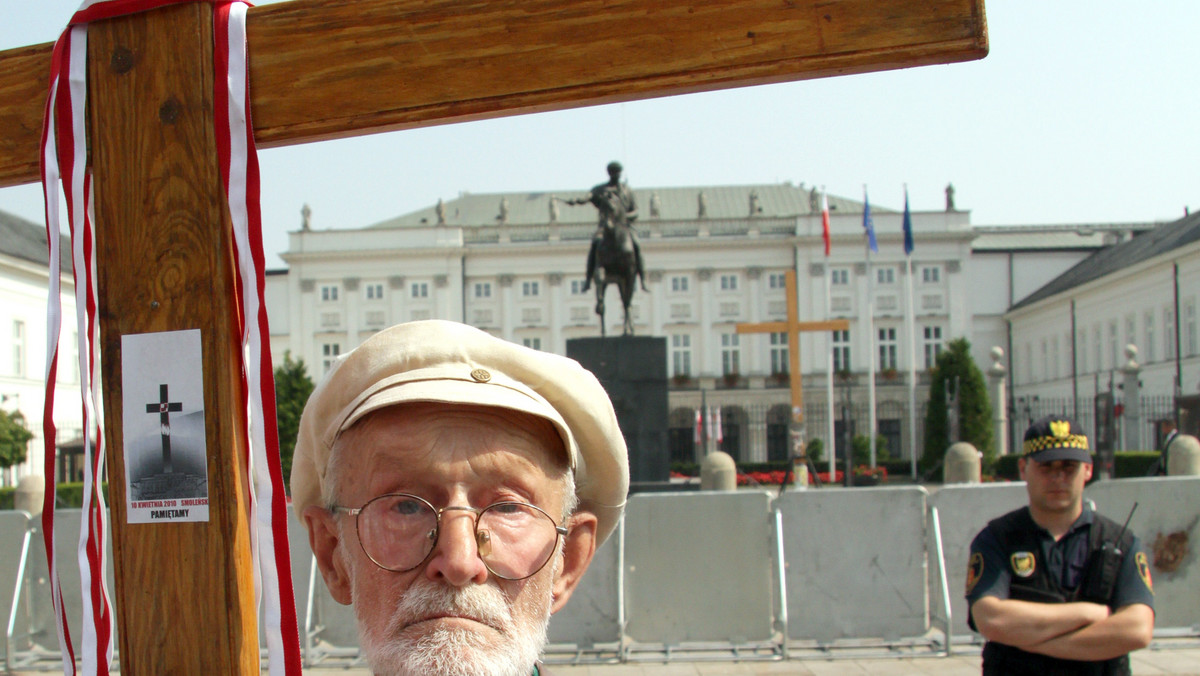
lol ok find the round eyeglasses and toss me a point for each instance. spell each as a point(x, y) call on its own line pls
point(399, 531)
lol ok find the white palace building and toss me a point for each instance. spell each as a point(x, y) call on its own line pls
point(513, 264)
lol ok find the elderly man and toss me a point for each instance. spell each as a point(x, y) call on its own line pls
point(455, 487)
point(1054, 587)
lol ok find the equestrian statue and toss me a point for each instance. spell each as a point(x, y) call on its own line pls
point(614, 257)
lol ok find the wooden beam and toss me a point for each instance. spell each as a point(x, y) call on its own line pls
point(328, 68)
point(184, 591)
point(780, 327)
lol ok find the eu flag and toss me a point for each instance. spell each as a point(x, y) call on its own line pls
point(868, 224)
point(908, 242)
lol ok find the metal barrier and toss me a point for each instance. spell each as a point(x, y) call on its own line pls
point(589, 627)
point(718, 576)
point(856, 564)
point(14, 555)
point(688, 554)
point(963, 510)
point(1167, 521)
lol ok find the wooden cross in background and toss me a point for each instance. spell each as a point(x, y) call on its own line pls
point(794, 327)
point(328, 68)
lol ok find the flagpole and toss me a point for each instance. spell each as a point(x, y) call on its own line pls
point(831, 430)
point(910, 320)
point(869, 225)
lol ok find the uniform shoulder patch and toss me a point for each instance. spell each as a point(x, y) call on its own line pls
point(974, 570)
point(1143, 569)
point(1023, 564)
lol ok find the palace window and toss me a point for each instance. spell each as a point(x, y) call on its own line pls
point(731, 354)
point(681, 355)
point(1148, 320)
point(931, 275)
point(18, 348)
point(841, 350)
point(887, 348)
point(483, 289)
point(839, 276)
point(535, 343)
point(932, 342)
point(885, 275)
point(776, 280)
point(329, 353)
point(420, 289)
point(729, 282)
point(530, 289)
point(329, 293)
point(779, 353)
point(1169, 333)
point(679, 284)
point(374, 291)
point(1189, 328)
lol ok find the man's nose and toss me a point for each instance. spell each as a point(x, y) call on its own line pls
point(456, 559)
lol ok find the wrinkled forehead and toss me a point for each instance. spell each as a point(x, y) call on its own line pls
point(432, 439)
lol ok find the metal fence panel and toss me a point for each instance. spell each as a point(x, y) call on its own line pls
point(698, 568)
point(591, 615)
point(14, 525)
point(964, 510)
point(1167, 506)
point(855, 563)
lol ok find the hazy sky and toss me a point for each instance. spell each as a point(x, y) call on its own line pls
point(1084, 111)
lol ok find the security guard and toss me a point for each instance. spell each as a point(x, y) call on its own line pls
point(1054, 587)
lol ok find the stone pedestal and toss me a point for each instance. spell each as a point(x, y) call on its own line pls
point(30, 494)
point(718, 472)
point(633, 370)
point(1184, 457)
point(962, 464)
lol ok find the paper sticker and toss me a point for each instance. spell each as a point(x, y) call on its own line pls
point(166, 452)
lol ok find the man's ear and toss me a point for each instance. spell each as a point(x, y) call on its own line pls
point(325, 543)
point(577, 554)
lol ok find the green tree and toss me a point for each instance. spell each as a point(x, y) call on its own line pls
point(956, 368)
point(14, 438)
point(292, 387)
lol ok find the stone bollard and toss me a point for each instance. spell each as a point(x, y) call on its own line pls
point(1184, 458)
point(962, 464)
point(718, 472)
point(30, 493)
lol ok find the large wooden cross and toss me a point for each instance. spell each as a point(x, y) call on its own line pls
point(793, 327)
point(322, 69)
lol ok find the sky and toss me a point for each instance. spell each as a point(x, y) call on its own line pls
point(1083, 112)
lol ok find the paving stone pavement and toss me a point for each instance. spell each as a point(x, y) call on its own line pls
point(1165, 658)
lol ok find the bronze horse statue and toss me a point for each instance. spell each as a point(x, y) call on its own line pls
point(616, 263)
point(614, 257)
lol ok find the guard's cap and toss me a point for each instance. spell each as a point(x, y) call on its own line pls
point(1056, 438)
point(441, 361)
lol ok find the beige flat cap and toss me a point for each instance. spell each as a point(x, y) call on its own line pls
point(441, 361)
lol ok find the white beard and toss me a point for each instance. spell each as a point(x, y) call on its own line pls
point(510, 648)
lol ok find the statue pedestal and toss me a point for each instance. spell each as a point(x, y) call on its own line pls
point(633, 370)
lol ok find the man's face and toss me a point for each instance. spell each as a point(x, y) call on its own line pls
point(449, 615)
point(1055, 487)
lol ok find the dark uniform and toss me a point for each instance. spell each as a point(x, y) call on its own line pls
point(1097, 560)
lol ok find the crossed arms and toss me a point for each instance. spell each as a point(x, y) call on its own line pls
point(1074, 631)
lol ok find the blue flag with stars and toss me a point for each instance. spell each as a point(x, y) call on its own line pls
point(908, 241)
point(868, 223)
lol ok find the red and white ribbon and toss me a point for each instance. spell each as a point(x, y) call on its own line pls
point(64, 156)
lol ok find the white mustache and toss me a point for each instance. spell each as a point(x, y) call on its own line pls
point(427, 600)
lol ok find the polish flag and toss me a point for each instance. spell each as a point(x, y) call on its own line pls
point(720, 437)
point(825, 222)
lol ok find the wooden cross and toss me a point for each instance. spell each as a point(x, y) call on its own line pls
point(164, 407)
point(322, 69)
point(793, 327)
